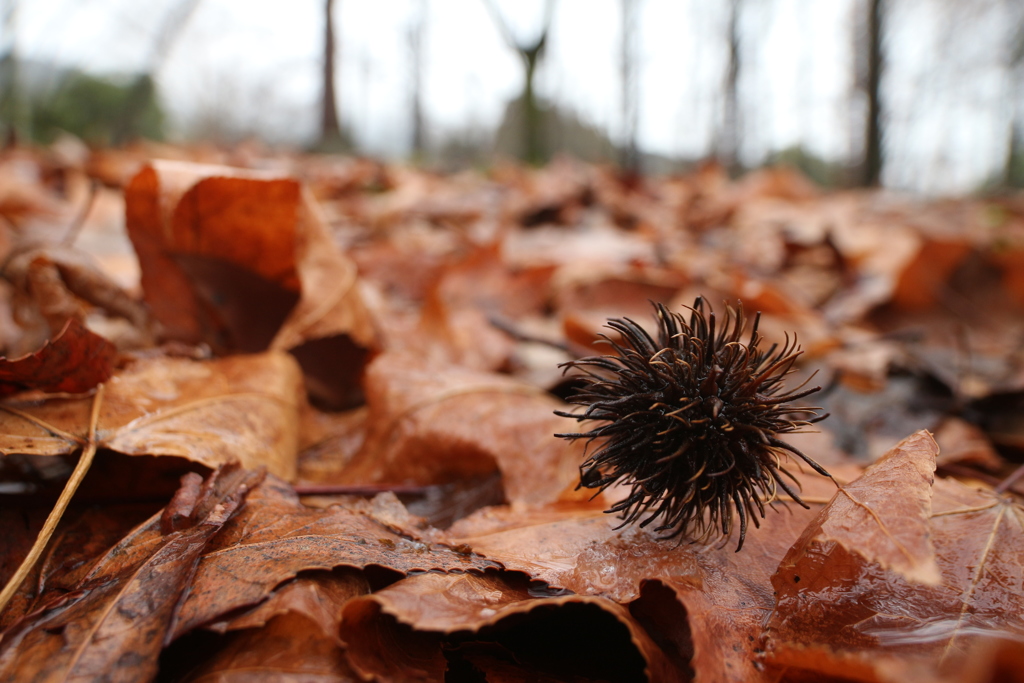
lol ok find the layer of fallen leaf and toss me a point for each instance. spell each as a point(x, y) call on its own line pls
point(325, 436)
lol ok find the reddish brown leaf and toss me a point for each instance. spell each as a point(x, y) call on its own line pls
point(114, 622)
point(317, 595)
point(885, 515)
point(244, 261)
point(276, 537)
point(290, 648)
point(73, 362)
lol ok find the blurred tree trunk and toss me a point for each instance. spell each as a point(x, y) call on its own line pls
point(629, 158)
point(729, 143)
point(416, 31)
point(330, 129)
point(534, 147)
point(12, 109)
point(1013, 172)
point(872, 167)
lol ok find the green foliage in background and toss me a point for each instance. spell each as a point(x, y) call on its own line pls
point(98, 110)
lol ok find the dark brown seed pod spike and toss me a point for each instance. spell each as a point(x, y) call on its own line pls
point(690, 420)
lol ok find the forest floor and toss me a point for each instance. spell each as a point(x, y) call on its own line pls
point(300, 411)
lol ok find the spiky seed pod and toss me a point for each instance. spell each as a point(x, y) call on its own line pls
point(691, 421)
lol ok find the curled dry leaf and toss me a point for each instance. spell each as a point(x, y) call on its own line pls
point(75, 361)
point(846, 605)
point(114, 622)
point(496, 611)
point(239, 409)
point(276, 537)
point(436, 425)
point(244, 261)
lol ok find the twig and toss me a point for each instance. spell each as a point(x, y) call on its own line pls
point(1005, 484)
point(81, 469)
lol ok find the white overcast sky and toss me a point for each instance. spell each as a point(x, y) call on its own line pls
point(255, 64)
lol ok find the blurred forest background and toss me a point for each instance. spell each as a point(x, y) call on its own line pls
point(919, 95)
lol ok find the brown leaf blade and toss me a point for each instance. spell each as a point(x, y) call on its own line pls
point(292, 636)
point(725, 596)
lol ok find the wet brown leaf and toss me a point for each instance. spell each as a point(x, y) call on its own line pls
point(75, 361)
point(845, 610)
point(885, 515)
point(115, 621)
point(239, 409)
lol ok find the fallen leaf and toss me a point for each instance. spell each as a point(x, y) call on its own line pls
point(239, 409)
point(244, 261)
point(290, 647)
point(317, 595)
point(847, 610)
point(884, 516)
point(73, 362)
point(115, 621)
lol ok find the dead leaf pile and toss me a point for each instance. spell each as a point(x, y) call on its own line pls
point(302, 424)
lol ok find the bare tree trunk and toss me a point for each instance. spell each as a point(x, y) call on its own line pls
point(534, 147)
point(629, 156)
point(416, 70)
point(12, 111)
point(330, 129)
point(1013, 170)
point(728, 143)
point(872, 171)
